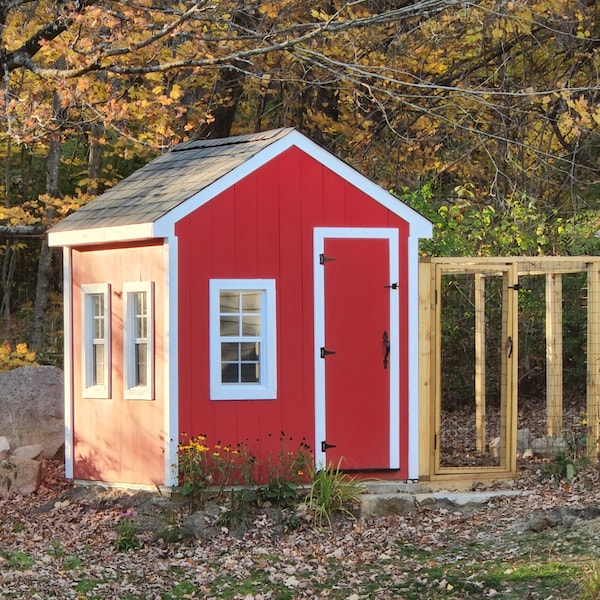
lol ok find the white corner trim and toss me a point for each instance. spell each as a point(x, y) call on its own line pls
point(171, 362)
point(68, 362)
point(413, 358)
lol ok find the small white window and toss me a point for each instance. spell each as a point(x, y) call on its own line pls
point(138, 340)
point(96, 340)
point(242, 339)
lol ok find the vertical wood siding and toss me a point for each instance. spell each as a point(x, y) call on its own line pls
point(262, 227)
point(118, 440)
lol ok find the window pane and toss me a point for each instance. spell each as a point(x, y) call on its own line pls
point(249, 351)
point(229, 301)
point(98, 364)
point(250, 373)
point(141, 314)
point(141, 364)
point(229, 373)
point(251, 301)
point(97, 305)
point(230, 352)
point(230, 325)
point(97, 302)
point(250, 326)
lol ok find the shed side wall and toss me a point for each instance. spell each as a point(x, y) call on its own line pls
point(119, 440)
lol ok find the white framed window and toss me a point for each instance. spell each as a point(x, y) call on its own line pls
point(243, 352)
point(138, 340)
point(96, 340)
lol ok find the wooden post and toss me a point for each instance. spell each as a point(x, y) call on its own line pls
point(426, 368)
point(554, 354)
point(512, 407)
point(480, 372)
point(509, 367)
point(593, 359)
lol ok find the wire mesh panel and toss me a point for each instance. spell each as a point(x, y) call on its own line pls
point(473, 419)
point(516, 362)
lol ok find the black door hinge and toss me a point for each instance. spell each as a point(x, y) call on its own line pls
point(323, 259)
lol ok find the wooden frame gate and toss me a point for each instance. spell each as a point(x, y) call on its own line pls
point(480, 440)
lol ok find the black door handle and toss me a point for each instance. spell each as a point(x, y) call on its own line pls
point(386, 343)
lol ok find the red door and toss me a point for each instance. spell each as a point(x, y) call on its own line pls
point(357, 375)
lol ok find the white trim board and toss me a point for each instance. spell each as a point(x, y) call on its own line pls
point(320, 235)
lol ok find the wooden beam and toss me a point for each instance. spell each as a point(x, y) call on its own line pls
point(426, 370)
point(480, 372)
point(554, 355)
point(593, 360)
point(525, 265)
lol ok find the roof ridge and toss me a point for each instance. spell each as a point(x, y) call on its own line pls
point(260, 136)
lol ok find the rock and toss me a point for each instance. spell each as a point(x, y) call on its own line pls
point(4, 447)
point(548, 446)
point(523, 440)
point(528, 453)
point(31, 452)
point(383, 505)
point(33, 408)
point(19, 475)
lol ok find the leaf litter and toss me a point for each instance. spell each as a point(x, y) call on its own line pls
point(60, 543)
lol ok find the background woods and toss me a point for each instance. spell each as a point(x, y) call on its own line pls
point(483, 115)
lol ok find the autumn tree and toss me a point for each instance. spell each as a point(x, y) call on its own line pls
point(487, 104)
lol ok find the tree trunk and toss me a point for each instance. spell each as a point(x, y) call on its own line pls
point(94, 159)
point(42, 290)
point(6, 283)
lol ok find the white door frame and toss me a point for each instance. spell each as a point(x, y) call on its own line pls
point(392, 235)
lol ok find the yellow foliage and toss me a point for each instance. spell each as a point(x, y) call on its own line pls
point(21, 356)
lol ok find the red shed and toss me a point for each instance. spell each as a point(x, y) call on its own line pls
point(239, 288)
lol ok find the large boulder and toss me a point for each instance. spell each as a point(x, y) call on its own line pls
point(33, 408)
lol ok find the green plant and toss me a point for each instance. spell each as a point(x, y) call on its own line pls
point(127, 533)
point(281, 492)
point(202, 467)
point(171, 529)
point(18, 560)
point(56, 549)
point(575, 457)
point(72, 562)
point(332, 491)
point(239, 513)
point(207, 471)
point(589, 585)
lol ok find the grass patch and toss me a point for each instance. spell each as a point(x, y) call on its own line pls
point(18, 560)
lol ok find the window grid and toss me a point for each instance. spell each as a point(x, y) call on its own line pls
point(240, 321)
point(96, 340)
point(138, 349)
point(96, 302)
point(243, 346)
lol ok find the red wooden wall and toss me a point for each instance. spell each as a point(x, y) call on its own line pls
point(262, 227)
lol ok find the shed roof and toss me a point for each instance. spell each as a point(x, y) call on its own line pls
point(167, 181)
point(140, 205)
